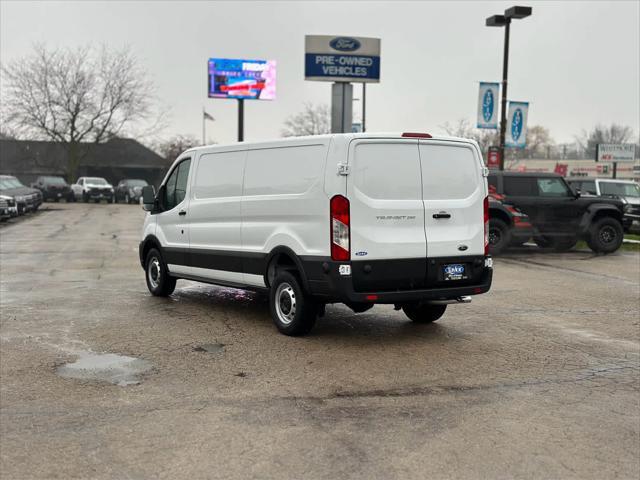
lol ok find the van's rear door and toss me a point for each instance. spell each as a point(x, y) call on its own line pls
point(384, 187)
point(453, 189)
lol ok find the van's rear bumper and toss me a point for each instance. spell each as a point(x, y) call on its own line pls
point(327, 284)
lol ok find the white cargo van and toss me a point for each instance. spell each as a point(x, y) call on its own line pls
point(353, 218)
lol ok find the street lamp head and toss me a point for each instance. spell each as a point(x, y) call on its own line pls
point(518, 12)
point(496, 21)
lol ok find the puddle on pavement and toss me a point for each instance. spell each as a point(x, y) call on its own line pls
point(108, 367)
point(210, 348)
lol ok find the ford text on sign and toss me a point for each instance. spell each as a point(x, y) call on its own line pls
point(342, 58)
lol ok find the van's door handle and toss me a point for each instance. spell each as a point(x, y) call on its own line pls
point(442, 215)
point(182, 212)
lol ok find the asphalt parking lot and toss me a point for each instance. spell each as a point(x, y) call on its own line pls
point(539, 378)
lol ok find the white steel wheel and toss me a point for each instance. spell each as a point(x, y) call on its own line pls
point(285, 303)
point(292, 310)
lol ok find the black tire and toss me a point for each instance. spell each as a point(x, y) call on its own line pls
point(605, 235)
point(159, 282)
point(499, 236)
point(424, 313)
point(292, 311)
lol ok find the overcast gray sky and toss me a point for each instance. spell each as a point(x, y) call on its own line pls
point(576, 62)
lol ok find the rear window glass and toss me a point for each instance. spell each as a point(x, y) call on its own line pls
point(448, 172)
point(54, 180)
point(387, 171)
point(219, 175)
point(520, 186)
point(286, 170)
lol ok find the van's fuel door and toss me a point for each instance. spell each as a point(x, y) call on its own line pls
point(343, 169)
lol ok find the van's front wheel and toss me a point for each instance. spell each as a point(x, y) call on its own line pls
point(159, 282)
point(293, 312)
point(424, 313)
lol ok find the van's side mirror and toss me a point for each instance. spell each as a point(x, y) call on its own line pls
point(148, 198)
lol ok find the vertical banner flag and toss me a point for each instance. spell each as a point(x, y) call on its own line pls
point(488, 105)
point(516, 134)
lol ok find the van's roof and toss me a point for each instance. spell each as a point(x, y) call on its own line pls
point(346, 136)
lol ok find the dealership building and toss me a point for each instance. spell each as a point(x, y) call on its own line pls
point(114, 160)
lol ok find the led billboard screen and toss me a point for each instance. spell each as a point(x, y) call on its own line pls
point(242, 79)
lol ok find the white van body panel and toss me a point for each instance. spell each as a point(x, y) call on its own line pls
point(385, 193)
point(172, 229)
point(453, 183)
point(284, 203)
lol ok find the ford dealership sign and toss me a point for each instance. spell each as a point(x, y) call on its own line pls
point(487, 106)
point(342, 59)
point(516, 134)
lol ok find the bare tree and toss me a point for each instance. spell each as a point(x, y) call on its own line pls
point(313, 120)
point(602, 134)
point(76, 96)
point(173, 147)
point(539, 142)
point(462, 128)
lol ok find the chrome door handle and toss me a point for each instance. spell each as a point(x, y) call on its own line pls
point(182, 212)
point(442, 215)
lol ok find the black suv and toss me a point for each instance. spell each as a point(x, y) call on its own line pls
point(53, 188)
point(559, 215)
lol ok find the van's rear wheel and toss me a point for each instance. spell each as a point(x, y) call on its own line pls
point(424, 313)
point(159, 282)
point(293, 312)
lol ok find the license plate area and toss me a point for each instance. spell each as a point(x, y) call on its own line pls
point(452, 272)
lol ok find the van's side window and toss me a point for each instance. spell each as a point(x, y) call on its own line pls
point(177, 185)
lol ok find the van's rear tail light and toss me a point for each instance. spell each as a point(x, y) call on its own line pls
point(340, 235)
point(486, 225)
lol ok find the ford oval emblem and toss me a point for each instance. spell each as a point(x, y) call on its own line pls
point(360, 254)
point(345, 44)
point(516, 125)
point(487, 106)
point(462, 248)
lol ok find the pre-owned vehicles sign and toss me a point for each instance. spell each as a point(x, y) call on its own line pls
point(342, 59)
point(615, 152)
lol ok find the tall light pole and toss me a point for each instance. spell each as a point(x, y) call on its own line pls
point(505, 21)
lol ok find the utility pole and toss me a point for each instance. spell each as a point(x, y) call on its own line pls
point(505, 21)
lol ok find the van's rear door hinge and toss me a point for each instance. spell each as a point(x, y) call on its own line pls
point(485, 172)
point(343, 169)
